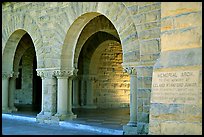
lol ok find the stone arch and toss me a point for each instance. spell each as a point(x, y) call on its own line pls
point(127, 31)
point(12, 34)
point(89, 48)
point(99, 23)
point(21, 50)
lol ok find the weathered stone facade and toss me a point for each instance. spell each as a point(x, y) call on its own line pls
point(112, 54)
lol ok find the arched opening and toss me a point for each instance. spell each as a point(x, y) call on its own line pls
point(24, 86)
point(103, 88)
point(28, 94)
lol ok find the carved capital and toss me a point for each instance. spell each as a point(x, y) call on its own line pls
point(66, 73)
point(15, 75)
point(62, 73)
point(130, 70)
point(6, 75)
point(45, 74)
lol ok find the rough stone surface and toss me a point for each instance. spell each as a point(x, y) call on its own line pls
point(181, 40)
point(151, 36)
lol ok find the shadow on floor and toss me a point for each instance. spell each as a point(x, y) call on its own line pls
point(113, 118)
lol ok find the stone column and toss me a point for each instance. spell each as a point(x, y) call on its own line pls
point(69, 103)
point(82, 97)
point(76, 92)
point(89, 92)
point(48, 95)
point(63, 97)
point(5, 91)
point(11, 91)
point(131, 127)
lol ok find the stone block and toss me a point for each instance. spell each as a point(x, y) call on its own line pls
point(129, 4)
point(131, 56)
point(167, 23)
point(130, 38)
point(154, 127)
point(150, 46)
point(146, 108)
point(144, 3)
point(144, 71)
point(148, 25)
point(133, 9)
point(143, 117)
point(187, 57)
point(129, 130)
point(133, 46)
point(149, 34)
point(182, 39)
point(143, 128)
point(140, 105)
point(143, 9)
point(149, 57)
point(127, 31)
point(145, 83)
point(150, 7)
point(153, 16)
point(139, 18)
point(175, 128)
point(164, 109)
point(175, 8)
point(186, 20)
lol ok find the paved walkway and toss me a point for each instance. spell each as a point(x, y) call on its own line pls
point(22, 127)
point(102, 121)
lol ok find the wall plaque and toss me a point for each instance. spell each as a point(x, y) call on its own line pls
point(175, 87)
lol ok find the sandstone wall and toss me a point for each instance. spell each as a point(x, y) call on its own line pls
point(24, 95)
point(176, 98)
point(112, 88)
point(169, 32)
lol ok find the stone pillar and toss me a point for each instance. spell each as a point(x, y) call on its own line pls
point(5, 91)
point(63, 96)
point(11, 91)
point(48, 95)
point(76, 92)
point(82, 97)
point(131, 127)
point(69, 103)
point(89, 92)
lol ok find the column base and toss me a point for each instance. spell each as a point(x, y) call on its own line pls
point(132, 124)
point(63, 117)
point(76, 106)
point(6, 110)
point(129, 130)
point(46, 117)
point(89, 106)
point(13, 109)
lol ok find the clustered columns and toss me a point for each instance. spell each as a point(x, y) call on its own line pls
point(5, 91)
point(89, 94)
point(132, 124)
point(75, 92)
point(87, 97)
point(64, 93)
point(48, 94)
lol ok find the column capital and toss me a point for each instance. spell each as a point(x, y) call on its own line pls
point(65, 73)
point(45, 74)
point(130, 70)
point(6, 75)
point(15, 75)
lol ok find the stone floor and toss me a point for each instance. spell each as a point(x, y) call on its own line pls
point(18, 125)
point(113, 118)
